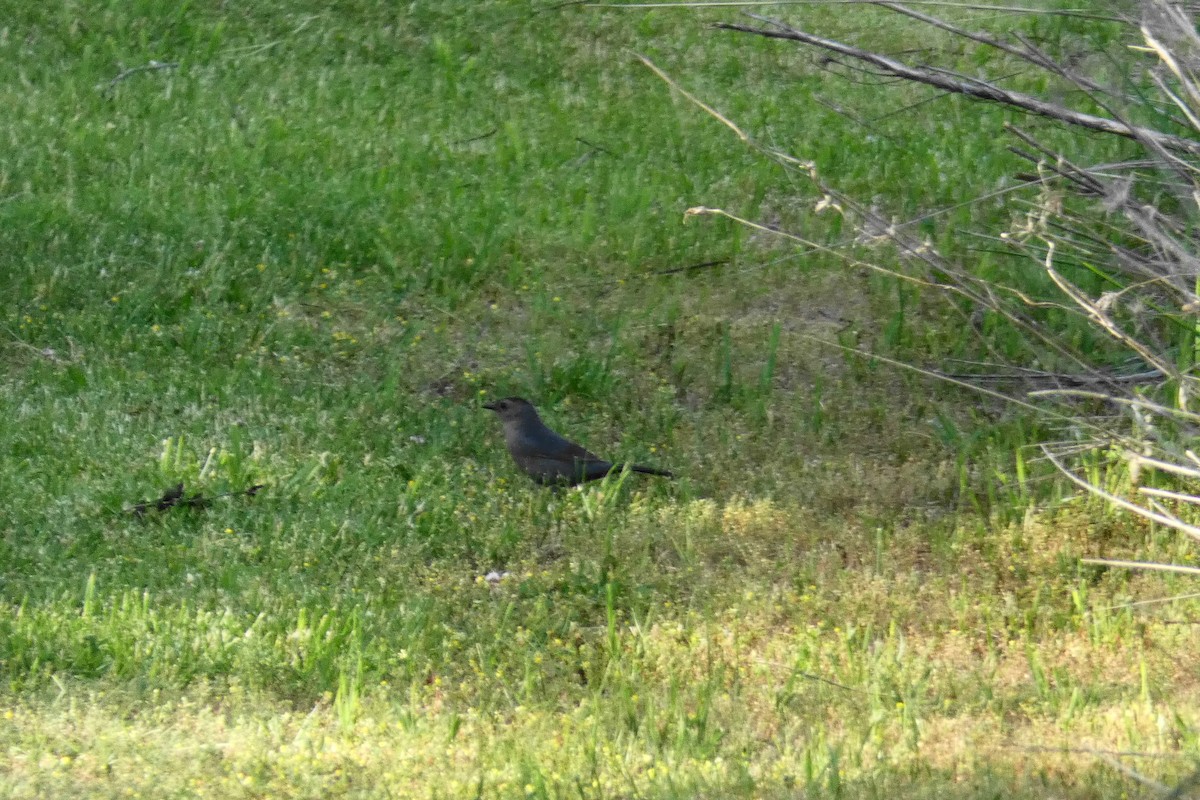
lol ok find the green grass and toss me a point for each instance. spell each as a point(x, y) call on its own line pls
point(303, 256)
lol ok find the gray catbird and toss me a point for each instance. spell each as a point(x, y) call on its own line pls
point(547, 457)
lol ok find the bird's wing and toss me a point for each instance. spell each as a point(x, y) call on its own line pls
point(575, 452)
point(551, 458)
point(551, 446)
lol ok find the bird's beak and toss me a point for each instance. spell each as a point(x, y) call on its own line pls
point(490, 406)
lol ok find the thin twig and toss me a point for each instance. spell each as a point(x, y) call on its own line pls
point(970, 87)
point(1065, 418)
point(1102, 319)
point(808, 675)
point(1179, 496)
point(1128, 402)
point(709, 109)
point(1051, 12)
point(1030, 53)
point(1057, 378)
point(1162, 519)
point(1151, 602)
point(594, 146)
point(1165, 466)
point(1151, 566)
point(690, 267)
point(124, 74)
point(478, 138)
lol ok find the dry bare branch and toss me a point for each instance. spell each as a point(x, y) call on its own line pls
point(1047, 12)
point(1170, 521)
point(970, 87)
point(1118, 245)
point(1151, 566)
point(1029, 52)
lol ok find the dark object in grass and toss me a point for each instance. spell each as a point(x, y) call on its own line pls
point(478, 138)
point(691, 267)
point(125, 73)
point(173, 498)
point(547, 457)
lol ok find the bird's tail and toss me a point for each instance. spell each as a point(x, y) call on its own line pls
point(646, 470)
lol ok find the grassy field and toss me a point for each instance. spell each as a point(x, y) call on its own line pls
point(302, 254)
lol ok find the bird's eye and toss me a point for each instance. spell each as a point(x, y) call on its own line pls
point(504, 405)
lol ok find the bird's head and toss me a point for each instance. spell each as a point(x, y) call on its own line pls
point(511, 409)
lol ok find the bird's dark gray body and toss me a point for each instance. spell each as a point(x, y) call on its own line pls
point(547, 457)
